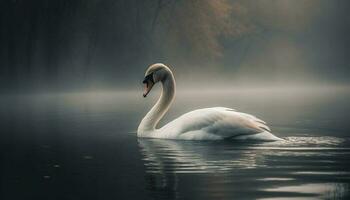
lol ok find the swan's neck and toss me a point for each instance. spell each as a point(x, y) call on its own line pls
point(150, 121)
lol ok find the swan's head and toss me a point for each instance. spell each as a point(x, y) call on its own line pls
point(155, 73)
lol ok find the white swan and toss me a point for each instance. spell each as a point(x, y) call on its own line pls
point(203, 124)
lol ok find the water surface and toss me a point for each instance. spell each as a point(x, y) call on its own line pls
point(84, 146)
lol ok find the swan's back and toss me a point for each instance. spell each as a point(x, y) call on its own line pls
point(214, 124)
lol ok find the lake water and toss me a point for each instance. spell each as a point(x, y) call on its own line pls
point(84, 146)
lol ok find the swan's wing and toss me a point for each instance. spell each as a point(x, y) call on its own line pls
point(217, 123)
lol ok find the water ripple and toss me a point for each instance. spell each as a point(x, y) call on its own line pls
point(296, 168)
point(214, 157)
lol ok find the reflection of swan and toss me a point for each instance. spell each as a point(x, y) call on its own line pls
point(225, 168)
point(164, 156)
point(203, 124)
point(166, 161)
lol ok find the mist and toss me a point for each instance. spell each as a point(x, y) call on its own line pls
point(64, 45)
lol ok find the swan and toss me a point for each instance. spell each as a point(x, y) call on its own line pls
point(215, 123)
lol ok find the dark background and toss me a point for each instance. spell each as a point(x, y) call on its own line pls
point(77, 44)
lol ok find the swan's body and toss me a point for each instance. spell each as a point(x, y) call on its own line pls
point(203, 124)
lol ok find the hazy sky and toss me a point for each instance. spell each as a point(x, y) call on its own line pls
point(64, 44)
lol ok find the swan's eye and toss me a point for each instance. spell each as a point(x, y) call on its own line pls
point(149, 77)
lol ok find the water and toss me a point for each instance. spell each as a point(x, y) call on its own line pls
point(84, 146)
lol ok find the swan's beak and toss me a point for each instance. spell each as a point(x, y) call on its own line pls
point(147, 87)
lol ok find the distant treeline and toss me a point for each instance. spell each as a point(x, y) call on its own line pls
point(58, 43)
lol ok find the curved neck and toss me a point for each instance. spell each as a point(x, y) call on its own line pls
point(150, 121)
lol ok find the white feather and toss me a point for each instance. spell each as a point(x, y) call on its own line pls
point(213, 124)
